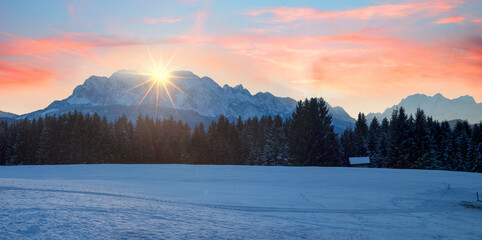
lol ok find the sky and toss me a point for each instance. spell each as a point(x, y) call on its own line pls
point(361, 55)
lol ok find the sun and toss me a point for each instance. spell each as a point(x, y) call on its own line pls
point(158, 78)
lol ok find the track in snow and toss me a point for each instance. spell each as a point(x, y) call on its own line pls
point(450, 206)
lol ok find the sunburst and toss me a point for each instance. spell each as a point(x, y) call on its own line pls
point(159, 78)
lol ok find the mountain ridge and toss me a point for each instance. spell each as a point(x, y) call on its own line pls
point(201, 100)
point(438, 107)
point(4, 114)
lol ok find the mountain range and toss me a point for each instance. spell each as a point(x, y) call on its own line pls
point(201, 100)
point(438, 107)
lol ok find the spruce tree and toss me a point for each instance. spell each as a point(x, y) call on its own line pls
point(312, 140)
point(361, 133)
point(373, 143)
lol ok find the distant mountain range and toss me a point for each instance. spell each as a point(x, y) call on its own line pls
point(439, 107)
point(203, 100)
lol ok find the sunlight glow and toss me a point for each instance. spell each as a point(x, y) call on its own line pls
point(159, 75)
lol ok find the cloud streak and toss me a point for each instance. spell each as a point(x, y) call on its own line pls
point(289, 14)
point(158, 20)
point(450, 20)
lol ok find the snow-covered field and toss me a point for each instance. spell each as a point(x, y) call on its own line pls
point(236, 202)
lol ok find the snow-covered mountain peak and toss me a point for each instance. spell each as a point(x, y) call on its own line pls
point(123, 73)
point(203, 95)
point(239, 89)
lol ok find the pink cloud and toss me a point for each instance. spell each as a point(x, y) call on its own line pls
point(477, 20)
point(158, 20)
point(265, 30)
point(450, 20)
point(289, 14)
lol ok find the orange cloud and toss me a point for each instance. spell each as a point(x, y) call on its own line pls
point(159, 20)
point(12, 75)
point(477, 20)
point(289, 14)
point(450, 20)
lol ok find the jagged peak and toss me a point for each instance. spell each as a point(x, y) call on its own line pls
point(237, 88)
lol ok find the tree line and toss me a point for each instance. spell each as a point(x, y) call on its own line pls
point(307, 138)
point(416, 142)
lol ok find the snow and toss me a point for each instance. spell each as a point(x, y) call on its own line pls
point(78, 100)
point(236, 202)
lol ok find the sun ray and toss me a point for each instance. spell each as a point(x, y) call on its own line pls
point(169, 95)
point(157, 97)
point(147, 67)
point(169, 61)
point(159, 74)
point(138, 85)
point(145, 95)
point(160, 56)
point(152, 59)
point(176, 87)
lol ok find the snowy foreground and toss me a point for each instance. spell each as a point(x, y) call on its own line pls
point(236, 202)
